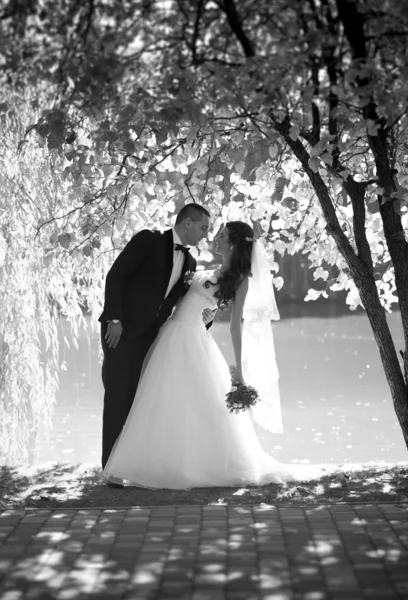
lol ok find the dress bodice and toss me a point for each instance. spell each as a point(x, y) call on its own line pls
point(199, 296)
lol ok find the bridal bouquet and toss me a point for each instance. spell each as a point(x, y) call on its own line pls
point(241, 397)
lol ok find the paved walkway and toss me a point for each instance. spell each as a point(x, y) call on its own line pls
point(340, 552)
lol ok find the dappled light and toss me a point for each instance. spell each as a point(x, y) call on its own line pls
point(64, 485)
point(289, 116)
point(70, 553)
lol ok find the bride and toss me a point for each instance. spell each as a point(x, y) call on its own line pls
point(179, 433)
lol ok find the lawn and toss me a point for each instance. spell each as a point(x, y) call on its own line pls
point(74, 486)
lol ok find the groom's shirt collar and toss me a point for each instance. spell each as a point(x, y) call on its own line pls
point(176, 239)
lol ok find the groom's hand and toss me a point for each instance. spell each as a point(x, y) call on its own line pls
point(113, 334)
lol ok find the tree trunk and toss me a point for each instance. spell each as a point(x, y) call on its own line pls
point(363, 277)
point(354, 23)
point(389, 358)
point(360, 263)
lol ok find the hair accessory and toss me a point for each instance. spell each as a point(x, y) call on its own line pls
point(248, 239)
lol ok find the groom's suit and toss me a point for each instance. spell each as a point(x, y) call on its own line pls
point(137, 293)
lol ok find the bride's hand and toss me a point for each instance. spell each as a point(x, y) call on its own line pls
point(238, 377)
point(208, 315)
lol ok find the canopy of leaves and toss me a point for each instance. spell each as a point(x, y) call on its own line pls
point(159, 103)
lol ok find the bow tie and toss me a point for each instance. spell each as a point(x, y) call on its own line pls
point(181, 248)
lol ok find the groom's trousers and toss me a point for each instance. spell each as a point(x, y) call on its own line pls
point(120, 376)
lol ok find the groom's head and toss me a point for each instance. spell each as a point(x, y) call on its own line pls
point(192, 224)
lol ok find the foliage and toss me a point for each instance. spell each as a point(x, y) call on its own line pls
point(291, 115)
point(187, 116)
point(37, 284)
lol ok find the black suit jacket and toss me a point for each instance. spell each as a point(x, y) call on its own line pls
point(137, 282)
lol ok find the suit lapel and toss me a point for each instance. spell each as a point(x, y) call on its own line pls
point(191, 263)
point(188, 264)
point(169, 250)
point(179, 286)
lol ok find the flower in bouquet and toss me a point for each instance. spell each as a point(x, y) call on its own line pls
point(241, 397)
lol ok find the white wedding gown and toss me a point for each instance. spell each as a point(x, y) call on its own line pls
point(179, 433)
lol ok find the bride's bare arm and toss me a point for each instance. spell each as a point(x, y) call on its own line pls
point(236, 327)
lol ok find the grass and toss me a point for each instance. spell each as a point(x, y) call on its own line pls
point(74, 486)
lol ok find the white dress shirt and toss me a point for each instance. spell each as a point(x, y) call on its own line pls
point(178, 262)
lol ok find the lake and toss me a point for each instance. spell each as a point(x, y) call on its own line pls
point(335, 399)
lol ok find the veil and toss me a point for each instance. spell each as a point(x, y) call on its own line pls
point(258, 350)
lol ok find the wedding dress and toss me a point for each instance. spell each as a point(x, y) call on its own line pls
point(179, 433)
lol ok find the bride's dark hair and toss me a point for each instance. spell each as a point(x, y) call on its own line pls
point(241, 236)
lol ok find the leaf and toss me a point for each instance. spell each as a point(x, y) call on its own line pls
point(327, 158)
point(64, 240)
point(278, 282)
point(314, 164)
point(70, 155)
point(240, 167)
point(396, 205)
point(239, 137)
point(353, 297)
point(372, 127)
point(260, 172)
point(47, 260)
point(312, 295)
point(290, 202)
point(319, 148)
point(120, 224)
point(109, 136)
point(321, 273)
point(281, 183)
point(129, 147)
point(273, 150)
point(280, 246)
point(294, 131)
point(191, 134)
point(108, 169)
point(105, 230)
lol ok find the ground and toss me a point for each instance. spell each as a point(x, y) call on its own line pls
point(71, 486)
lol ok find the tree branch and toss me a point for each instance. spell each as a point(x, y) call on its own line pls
point(196, 32)
point(315, 108)
point(89, 15)
point(356, 192)
point(356, 265)
point(354, 27)
point(236, 26)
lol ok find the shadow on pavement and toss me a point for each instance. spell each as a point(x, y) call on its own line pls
point(214, 552)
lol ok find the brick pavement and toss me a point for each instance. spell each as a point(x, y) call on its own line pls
point(338, 552)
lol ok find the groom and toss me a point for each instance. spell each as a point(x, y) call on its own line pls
point(142, 288)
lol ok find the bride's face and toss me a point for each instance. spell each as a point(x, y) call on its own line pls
point(222, 243)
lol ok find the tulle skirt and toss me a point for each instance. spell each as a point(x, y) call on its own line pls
point(179, 433)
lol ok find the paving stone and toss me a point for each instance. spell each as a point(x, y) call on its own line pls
point(208, 594)
point(206, 553)
point(278, 594)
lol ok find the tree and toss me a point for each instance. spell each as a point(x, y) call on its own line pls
point(292, 115)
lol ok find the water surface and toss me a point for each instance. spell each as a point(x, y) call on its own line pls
point(335, 399)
